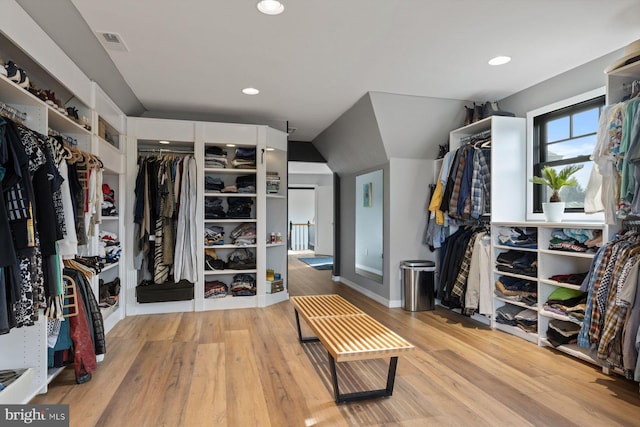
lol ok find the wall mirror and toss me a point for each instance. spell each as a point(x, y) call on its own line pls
point(369, 225)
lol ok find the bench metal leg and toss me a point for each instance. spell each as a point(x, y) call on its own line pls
point(362, 395)
point(300, 338)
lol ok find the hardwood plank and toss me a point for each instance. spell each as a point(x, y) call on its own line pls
point(206, 404)
point(246, 367)
point(246, 401)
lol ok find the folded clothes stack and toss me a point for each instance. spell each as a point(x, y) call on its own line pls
point(215, 289)
point(111, 245)
point(243, 285)
point(108, 201)
point(213, 184)
point(575, 240)
point(516, 289)
point(567, 302)
point(562, 332)
point(241, 259)
point(517, 262)
point(521, 237)
point(244, 234)
point(246, 184)
point(213, 235)
point(213, 208)
point(215, 157)
point(239, 207)
point(524, 318)
point(245, 158)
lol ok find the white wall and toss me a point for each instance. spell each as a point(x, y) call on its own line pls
point(302, 205)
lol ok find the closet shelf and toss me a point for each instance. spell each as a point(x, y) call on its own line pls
point(518, 303)
point(513, 248)
point(229, 220)
point(109, 311)
point(19, 391)
point(557, 316)
point(573, 350)
point(111, 218)
point(567, 253)
point(108, 267)
point(560, 284)
point(229, 171)
point(230, 302)
point(519, 276)
point(209, 194)
point(64, 124)
point(228, 271)
point(54, 372)
point(273, 245)
point(229, 246)
point(514, 330)
point(275, 196)
point(14, 94)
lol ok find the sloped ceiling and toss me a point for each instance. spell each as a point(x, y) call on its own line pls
point(313, 62)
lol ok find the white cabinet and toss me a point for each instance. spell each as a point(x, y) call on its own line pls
point(508, 161)
point(555, 268)
point(265, 210)
point(111, 152)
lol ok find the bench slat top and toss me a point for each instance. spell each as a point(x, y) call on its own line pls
point(346, 331)
point(324, 305)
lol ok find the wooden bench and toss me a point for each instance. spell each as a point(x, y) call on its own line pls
point(349, 334)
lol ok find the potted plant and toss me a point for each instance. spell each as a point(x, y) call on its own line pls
point(554, 209)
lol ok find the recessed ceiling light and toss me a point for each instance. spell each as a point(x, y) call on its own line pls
point(270, 7)
point(231, 145)
point(250, 91)
point(499, 60)
point(164, 142)
point(271, 149)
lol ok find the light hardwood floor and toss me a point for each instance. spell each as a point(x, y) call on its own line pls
point(246, 367)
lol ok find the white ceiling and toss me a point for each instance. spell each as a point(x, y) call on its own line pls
point(318, 58)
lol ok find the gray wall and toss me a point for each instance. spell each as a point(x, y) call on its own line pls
point(411, 127)
point(579, 80)
point(353, 143)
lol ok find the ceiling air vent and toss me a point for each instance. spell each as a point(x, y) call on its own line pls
point(112, 41)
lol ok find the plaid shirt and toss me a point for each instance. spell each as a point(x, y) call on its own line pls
point(460, 285)
point(480, 184)
point(606, 266)
point(457, 181)
point(615, 315)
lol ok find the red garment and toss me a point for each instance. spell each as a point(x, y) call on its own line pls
point(84, 358)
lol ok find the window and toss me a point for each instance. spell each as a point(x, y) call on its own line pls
point(566, 136)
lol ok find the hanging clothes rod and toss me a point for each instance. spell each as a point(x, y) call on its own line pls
point(12, 113)
point(65, 138)
point(164, 150)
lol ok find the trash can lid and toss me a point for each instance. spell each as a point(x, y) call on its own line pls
point(417, 263)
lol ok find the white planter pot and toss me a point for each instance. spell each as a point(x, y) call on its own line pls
point(553, 212)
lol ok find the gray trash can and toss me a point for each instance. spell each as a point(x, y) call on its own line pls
point(417, 285)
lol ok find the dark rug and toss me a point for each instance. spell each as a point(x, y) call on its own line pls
point(319, 263)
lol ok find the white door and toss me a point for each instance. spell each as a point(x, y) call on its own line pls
point(324, 220)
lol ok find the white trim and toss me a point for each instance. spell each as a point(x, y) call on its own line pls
point(531, 115)
point(366, 292)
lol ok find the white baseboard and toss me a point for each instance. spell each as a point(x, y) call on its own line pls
point(364, 291)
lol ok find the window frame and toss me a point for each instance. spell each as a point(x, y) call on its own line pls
point(583, 102)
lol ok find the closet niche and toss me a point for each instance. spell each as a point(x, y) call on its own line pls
point(369, 225)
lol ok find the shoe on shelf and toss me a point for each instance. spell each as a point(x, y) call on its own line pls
point(468, 115)
point(477, 112)
point(12, 71)
point(491, 109)
point(51, 97)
